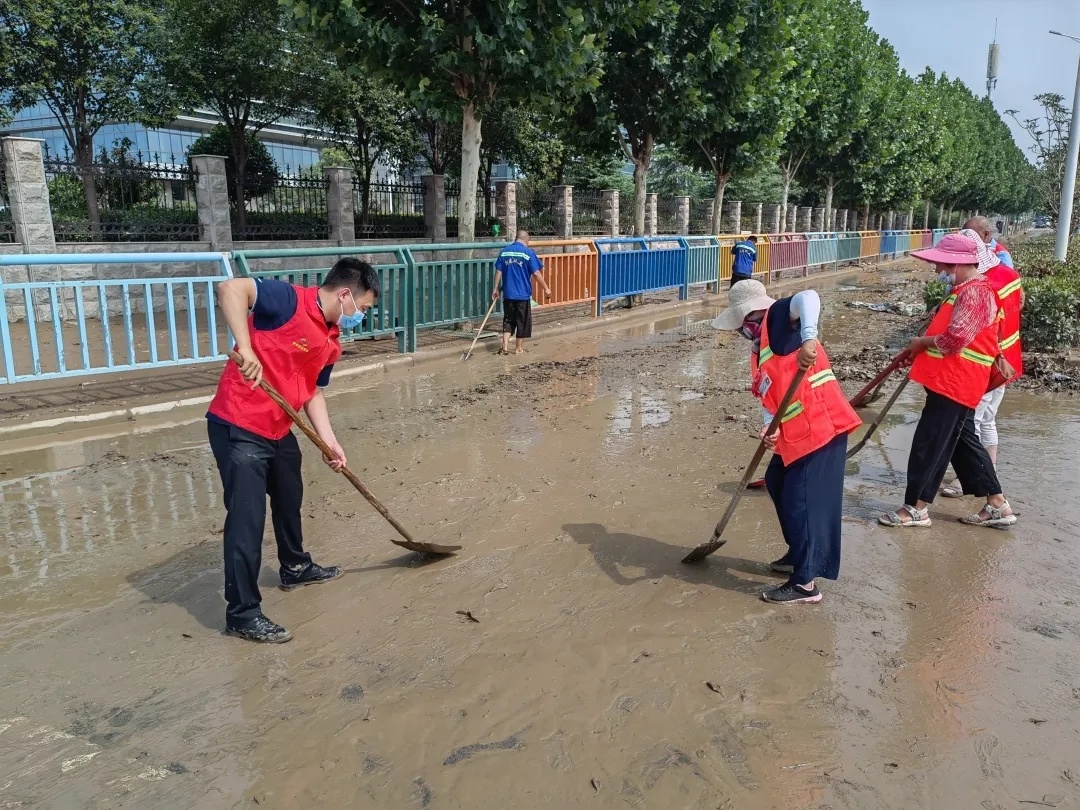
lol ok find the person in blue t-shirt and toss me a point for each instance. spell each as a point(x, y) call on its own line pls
point(515, 267)
point(745, 253)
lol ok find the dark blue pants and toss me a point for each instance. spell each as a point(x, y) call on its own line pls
point(809, 501)
point(251, 468)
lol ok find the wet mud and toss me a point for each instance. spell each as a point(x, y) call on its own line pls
point(565, 657)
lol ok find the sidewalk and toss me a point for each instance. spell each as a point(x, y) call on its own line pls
point(54, 405)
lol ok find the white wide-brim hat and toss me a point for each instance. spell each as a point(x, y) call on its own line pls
point(745, 297)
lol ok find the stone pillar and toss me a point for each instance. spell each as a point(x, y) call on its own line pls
point(734, 217)
point(773, 218)
point(609, 211)
point(650, 215)
point(340, 204)
point(757, 217)
point(818, 219)
point(506, 208)
point(792, 219)
point(802, 221)
point(682, 215)
point(890, 221)
point(212, 201)
point(28, 197)
point(564, 211)
point(842, 220)
point(434, 186)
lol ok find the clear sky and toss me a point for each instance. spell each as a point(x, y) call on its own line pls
point(952, 36)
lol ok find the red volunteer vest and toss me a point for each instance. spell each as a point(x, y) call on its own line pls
point(818, 413)
point(1006, 283)
point(962, 377)
point(292, 355)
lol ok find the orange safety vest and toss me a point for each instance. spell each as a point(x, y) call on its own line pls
point(1006, 283)
point(962, 377)
point(819, 411)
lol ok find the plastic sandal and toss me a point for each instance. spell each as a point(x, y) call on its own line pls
point(952, 491)
point(997, 519)
point(918, 518)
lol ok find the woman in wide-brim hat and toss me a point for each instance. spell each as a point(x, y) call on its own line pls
point(805, 477)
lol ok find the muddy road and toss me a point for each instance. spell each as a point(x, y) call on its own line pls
point(941, 671)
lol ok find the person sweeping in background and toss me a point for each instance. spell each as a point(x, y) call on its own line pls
point(289, 334)
point(515, 266)
point(954, 362)
point(805, 477)
point(744, 255)
point(1006, 282)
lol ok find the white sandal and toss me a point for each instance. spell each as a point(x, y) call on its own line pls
point(952, 491)
point(997, 517)
point(919, 518)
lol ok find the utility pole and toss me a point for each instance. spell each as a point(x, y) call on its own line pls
point(1068, 187)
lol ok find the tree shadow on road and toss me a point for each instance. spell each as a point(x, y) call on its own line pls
point(614, 551)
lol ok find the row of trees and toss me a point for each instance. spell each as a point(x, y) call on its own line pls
point(800, 91)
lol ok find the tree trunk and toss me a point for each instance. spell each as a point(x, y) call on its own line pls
point(866, 218)
point(365, 198)
point(829, 187)
point(720, 182)
point(641, 176)
point(470, 170)
point(84, 158)
point(240, 159)
point(941, 215)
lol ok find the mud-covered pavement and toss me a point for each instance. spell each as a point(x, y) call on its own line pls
point(940, 672)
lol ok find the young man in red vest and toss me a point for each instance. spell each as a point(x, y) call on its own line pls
point(1006, 283)
point(805, 477)
point(289, 335)
point(954, 362)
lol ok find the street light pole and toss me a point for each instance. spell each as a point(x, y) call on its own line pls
point(1068, 187)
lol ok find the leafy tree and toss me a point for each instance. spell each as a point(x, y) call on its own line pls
point(243, 60)
point(835, 78)
point(643, 96)
point(91, 64)
point(260, 169)
point(743, 106)
point(672, 175)
point(454, 59)
point(1049, 139)
point(370, 122)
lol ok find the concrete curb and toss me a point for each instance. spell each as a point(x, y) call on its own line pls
point(417, 359)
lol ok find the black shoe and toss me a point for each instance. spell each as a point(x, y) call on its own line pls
point(783, 565)
point(310, 574)
point(260, 629)
point(791, 594)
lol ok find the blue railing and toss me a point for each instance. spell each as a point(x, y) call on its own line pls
point(111, 324)
point(638, 265)
point(63, 328)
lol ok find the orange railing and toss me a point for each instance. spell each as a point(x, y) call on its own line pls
point(570, 268)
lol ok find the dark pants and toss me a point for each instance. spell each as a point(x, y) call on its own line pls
point(736, 279)
point(809, 500)
point(251, 468)
point(974, 469)
point(946, 430)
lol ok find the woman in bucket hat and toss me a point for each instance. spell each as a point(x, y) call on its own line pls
point(805, 477)
point(954, 361)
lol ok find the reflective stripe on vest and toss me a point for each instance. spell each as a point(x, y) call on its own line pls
point(1009, 289)
point(1010, 341)
point(818, 413)
point(962, 377)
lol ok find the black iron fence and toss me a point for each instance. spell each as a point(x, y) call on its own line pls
point(626, 216)
point(536, 210)
point(385, 209)
point(485, 210)
point(122, 196)
point(667, 215)
point(588, 212)
point(294, 207)
point(701, 216)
